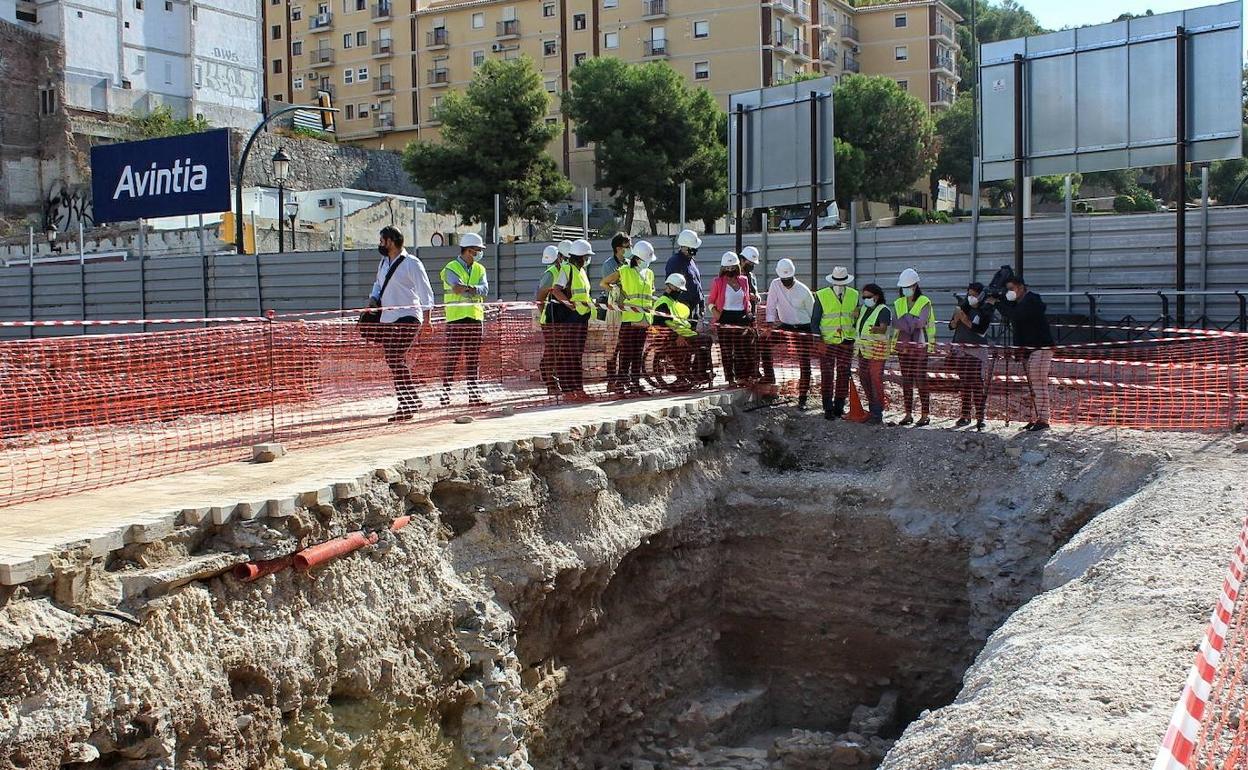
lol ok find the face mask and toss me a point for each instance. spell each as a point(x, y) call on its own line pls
point(972, 300)
point(383, 251)
point(628, 252)
point(578, 261)
point(1011, 296)
point(788, 282)
point(869, 302)
point(909, 292)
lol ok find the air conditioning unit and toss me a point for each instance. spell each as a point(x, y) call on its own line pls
point(496, 47)
point(325, 203)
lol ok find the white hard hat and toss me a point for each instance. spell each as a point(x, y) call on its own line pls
point(644, 250)
point(581, 248)
point(786, 269)
point(841, 277)
point(688, 239)
point(750, 254)
point(565, 247)
point(471, 241)
point(677, 280)
point(730, 259)
point(909, 277)
point(550, 255)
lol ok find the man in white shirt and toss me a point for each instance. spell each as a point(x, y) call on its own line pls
point(790, 304)
point(405, 300)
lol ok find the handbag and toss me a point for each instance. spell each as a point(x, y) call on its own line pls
point(369, 322)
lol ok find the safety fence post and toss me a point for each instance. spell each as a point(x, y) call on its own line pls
point(268, 316)
point(1165, 308)
point(1243, 310)
point(1092, 313)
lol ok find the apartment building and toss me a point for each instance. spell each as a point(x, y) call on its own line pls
point(389, 63)
point(131, 56)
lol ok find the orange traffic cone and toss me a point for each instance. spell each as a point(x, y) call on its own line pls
point(856, 412)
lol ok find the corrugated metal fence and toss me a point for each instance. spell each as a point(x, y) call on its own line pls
point(1102, 254)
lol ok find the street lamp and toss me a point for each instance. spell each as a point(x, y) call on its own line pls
point(281, 170)
point(292, 213)
point(51, 233)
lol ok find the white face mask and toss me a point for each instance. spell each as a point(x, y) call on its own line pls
point(909, 292)
point(869, 302)
point(1011, 296)
point(972, 300)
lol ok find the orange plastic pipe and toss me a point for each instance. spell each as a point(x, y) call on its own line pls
point(258, 569)
point(400, 523)
point(319, 554)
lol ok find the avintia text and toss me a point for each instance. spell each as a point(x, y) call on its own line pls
point(183, 177)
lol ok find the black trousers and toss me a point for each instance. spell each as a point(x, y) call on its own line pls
point(463, 341)
point(570, 357)
point(970, 371)
point(834, 379)
point(549, 367)
point(396, 338)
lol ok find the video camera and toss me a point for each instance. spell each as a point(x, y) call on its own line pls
point(996, 287)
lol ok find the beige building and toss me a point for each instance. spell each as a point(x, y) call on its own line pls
point(388, 63)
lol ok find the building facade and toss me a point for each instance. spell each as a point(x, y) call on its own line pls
point(127, 57)
point(389, 63)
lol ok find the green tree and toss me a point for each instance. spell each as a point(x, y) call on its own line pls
point(705, 172)
point(894, 131)
point(956, 127)
point(993, 22)
point(160, 122)
point(494, 141)
point(1052, 189)
point(1224, 177)
point(851, 170)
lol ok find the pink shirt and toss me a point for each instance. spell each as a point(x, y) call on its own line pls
point(719, 288)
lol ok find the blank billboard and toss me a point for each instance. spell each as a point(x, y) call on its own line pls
point(778, 144)
point(1105, 97)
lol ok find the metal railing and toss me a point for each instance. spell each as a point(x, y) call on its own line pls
point(382, 11)
point(437, 37)
point(383, 120)
point(322, 56)
point(945, 30)
point(438, 76)
point(384, 46)
point(320, 21)
point(383, 83)
point(653, 8)
point(655, 47)
point(508, 28)
point(851, 64)
point(849, 32)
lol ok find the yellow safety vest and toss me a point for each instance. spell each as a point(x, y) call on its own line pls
point(675, 315)
point(577, 288)
point(836, 320)
point(463, 306)
point(870, 345)
point(637, 288)
point(553, 271)
point(901, 307)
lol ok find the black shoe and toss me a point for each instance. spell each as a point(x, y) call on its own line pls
point(838, 407)
point(1040, 426)
point(979, 426)
point(801, 403)
point(400, 416)
point(1026, 427)
point(907, 420)
point(875, 421)
point(962, 422)
point(923, 422)
point(829, 416)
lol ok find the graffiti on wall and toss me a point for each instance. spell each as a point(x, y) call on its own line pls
point(67, 206)
point(230, 80)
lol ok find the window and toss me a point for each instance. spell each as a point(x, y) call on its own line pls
point(277, 66)
point(901, 53)
point(578, 59)
point(548, 10)
point(362, 110)
point(298, 84)
point(578, 21)
point(296, 48)
point(322, 8)
point(47, 100)
point(610, 3)
point(581, 143)
point(701, 70)
point(350, 111)
point(551, 86)
point(277, 32)
point(140, 63)
point(701, 29)
point(361, 75)
point(552, 121)
point(348, 76)
point(194, 13)
point(296, 13)
point(611, 40)
point(478, 21)
point(199, 75)
point(169, 72)
point(478, 58)
point(279, 98)
point(361, 5)
point(361, 39)
point(905, 84)
point(168, 5)
point(348, 40)
point(550, 47)
point(138, 5)
point(900, 21)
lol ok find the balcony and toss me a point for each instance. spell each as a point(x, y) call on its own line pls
point(438, 77)
point(801, 50)
point(851, 64)
point(383, 121)
point(798, 8)
point(945, 95)
point(321, 57)
point(320, 22)
point(434, 120)
point(383, 84)
point(947, 64)
point(654, 48)
point(383, 11)
point(383, 47)
point(653, 9)
point(849, 32)
point(437, 37)
point(784, 42)
point(830, 54)
point(945, 29)
point(506, 30)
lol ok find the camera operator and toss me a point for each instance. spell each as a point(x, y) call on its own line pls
point(1025, 310)
point(970, 352)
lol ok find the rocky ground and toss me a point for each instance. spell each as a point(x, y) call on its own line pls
point(756, 590)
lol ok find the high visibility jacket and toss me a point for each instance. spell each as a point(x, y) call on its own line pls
point(836, 320)
point(870, 345)
point(902, 307)
point(577, 288)
point(674, 314)
point(637, 289)
point(544, 310)
point(463, 306)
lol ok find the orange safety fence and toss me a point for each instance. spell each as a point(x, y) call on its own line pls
point(79, 412)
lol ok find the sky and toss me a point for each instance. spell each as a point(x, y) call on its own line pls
point(1055, 14)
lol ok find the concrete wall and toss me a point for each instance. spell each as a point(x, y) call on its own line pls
point(1106, 254)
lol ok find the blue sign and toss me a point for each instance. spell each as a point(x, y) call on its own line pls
point(175, 176)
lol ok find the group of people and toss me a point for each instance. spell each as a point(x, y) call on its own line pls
point(837, 324)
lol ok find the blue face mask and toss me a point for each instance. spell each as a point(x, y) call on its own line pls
point(869, 302)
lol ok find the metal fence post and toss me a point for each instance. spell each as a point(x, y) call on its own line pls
point(585, 213)
point(30, 283)
point(1204, 239)
point(498, 248)
point(82, 278)
point(142, 279)
point(1070, 231)
point(975, 188)
point(853, 237)
point(342, 258)
point(683, 217)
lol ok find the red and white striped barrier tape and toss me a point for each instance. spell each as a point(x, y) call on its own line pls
point(1184, 731)
point(135, 321)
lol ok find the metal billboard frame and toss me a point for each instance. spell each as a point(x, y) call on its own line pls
point(1147, 91)
point(787, 155)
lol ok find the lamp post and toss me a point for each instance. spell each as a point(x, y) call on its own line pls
point(51, 233)
point(291, 210)
point(281, 169)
